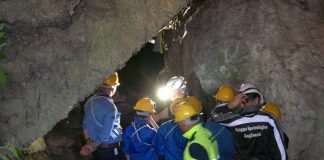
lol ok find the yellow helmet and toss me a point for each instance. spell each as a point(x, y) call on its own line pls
point(146, 105)
point(112, 80)
point(195, 103)
point(272, 109)
point(225, 93)
point(177, 102)
point(184, 111)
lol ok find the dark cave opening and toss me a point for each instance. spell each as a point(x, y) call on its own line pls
point(140, 77)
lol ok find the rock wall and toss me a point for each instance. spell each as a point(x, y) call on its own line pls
point(277, 45)
point(59, 51)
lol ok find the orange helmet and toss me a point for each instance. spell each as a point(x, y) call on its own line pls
point(177, 102)
point(112, 80)
point(184, 111)
point(195, 103)
point(146, 105)
point(272, 109)
point(225, 94)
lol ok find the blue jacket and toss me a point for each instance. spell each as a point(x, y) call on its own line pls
point(138, 139)
point(102, 119)
point(224, 139)
point(169, 141)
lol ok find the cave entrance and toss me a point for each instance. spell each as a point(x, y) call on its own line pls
point(140, 77)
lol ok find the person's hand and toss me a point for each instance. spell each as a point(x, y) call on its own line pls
point(237, 101)
point(156, 117)
point(86, 150)
point(121, 129)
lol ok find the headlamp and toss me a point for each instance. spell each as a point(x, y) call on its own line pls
point(164, 93)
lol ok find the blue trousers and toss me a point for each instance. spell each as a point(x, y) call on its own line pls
point(107, 154)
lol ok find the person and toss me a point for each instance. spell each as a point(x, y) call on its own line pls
point(169, 141)
point(274, 110)
point(199, 146)
point(177, 88)
point(101, 123)
point(245, 90)
point(257, 134)
point(138, 137)
point(220, 113)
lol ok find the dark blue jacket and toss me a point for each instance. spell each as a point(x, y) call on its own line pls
point(138, 139)
point(169, 141)
point(224, 139)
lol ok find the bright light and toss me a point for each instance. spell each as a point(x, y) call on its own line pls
point(163, 93)
point(152, 41)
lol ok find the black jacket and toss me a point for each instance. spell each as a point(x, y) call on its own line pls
point(256, 136)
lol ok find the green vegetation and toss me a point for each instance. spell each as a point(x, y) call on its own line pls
point(3, 78)
point(161, 39)
point(9, 151)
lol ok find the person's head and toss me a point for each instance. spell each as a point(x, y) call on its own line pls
point(186, 116)
point(109, 86)
point(253, 98)
point(177, 86)
point(225, 94)
point(273, 109)
point(144, 107)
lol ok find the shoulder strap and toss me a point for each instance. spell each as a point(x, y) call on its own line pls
point(166, 136)
point(213, 136)
point(136, 133)
point(93, 115)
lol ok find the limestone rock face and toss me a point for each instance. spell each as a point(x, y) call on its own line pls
point(58, 52)
point(277, 45)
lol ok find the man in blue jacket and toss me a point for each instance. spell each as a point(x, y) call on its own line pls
point(101, 123)
point(138, 137)
point(168, 141)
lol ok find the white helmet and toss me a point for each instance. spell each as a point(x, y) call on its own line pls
point(176, 83)
point(250, 88)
